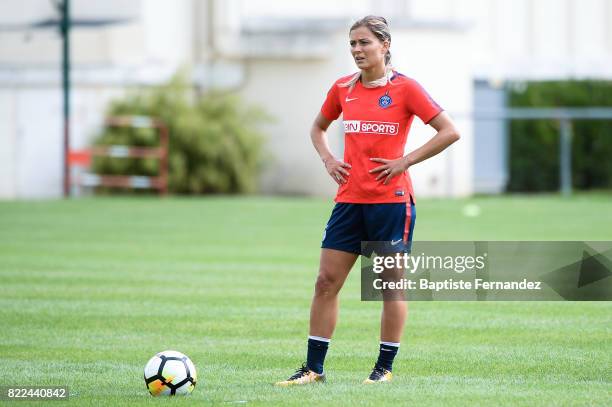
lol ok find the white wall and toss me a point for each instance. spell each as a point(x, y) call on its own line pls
point(8, 144)
point(22, 45)
point(105, 62)
point(293, 91)
point(31, 137)
point(168, 27)
point(449, 43)
point(35, 170)
point(437, 60)
point(519, 39)
point(539, 39)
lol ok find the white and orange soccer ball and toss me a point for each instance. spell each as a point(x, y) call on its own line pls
point(170, 373)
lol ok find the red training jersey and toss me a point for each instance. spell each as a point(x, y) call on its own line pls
point(376, 124)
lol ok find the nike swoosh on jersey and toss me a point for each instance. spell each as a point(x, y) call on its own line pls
point(350, 99)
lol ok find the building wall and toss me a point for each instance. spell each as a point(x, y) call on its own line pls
point(292, 90)
point(152, 40)
point(539, 39)
point(445, 44)
point(446, 75)
point(8, 145)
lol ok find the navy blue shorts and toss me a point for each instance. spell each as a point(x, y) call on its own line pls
point(352, 223)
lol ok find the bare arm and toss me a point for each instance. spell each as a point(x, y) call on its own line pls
point(446, 135)
point(318, 134)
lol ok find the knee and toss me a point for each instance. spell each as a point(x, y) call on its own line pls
point(326, 284)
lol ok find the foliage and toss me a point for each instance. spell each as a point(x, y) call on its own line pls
point(215, 142)
point(534, 145)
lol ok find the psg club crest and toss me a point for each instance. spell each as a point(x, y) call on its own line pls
point(385, 100)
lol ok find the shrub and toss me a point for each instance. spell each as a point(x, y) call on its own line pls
point(534, 145)
point(215, 144)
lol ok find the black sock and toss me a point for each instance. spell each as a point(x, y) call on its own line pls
point(317, 349)
point(386, 355)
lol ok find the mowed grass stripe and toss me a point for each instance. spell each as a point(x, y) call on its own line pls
point(92, 288)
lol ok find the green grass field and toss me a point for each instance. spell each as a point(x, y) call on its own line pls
point(91, 289)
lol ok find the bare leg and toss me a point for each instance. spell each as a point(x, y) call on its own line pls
point(334, 267)
point(394, 309)
point(392, 321)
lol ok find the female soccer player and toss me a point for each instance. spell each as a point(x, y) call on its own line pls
point(375, 199)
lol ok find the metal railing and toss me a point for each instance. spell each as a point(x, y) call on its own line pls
point(565, 117)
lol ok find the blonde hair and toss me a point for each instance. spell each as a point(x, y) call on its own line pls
point(380, 28)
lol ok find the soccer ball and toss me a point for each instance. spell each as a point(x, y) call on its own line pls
point(170, 373)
